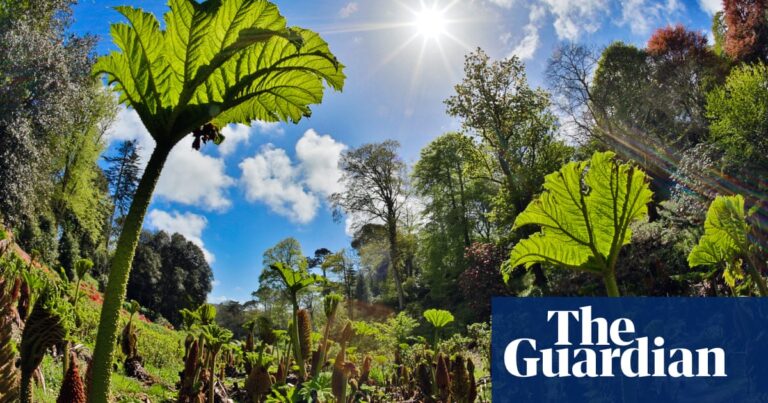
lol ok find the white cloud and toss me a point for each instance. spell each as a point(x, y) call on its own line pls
point(271, 178)
point(643, 15)
point(235, 135)
point(193, 178)
point(348, 10)
point(189, 176)
point(128, 126)
point(503, 3)
point(527, 47)
point(273, 128)
point(711, 6)
point(294, 189)
point(319, 158)
point(188, 224)
point(573, 18)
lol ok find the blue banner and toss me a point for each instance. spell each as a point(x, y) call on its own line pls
point(629, 350)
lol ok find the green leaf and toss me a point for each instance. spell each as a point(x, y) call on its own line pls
point(223, 61)
point(584, 214)
point(296, 280)
point(725, 233)
point(438, 317)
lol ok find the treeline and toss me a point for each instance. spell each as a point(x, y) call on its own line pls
point(62, 191)
point(692, 115)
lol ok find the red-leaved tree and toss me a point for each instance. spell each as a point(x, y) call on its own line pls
point(746, 38)
point(677, 45)
point(482, 279)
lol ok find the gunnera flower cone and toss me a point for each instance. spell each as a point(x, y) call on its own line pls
point(305, 334)
point(72, 387)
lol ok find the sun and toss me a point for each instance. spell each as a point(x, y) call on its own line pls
point(430, 23)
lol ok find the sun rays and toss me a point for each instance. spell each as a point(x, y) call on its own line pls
point(425, 36)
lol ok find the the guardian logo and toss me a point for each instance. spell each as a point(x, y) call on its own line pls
point(606, 349)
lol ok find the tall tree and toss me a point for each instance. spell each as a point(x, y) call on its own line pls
point(746, 35)
point(169, 274)
point(456, 203)
point(215, 63)
point(644, 104)
point(123, 172)
point(48, 102)
point(495, 102)
point(374, 181)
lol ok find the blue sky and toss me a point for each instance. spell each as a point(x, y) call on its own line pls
point(270, 181)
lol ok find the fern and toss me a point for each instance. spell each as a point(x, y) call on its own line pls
point(584, 212)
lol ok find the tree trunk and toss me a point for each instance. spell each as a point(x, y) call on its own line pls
point(392, 228)
point(114, 294)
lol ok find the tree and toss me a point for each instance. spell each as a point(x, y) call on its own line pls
point(123, 173)
point(746, 35)
point(739, 118)
point(482, 280)
point(374, 181)
point(645, 104)
point(147, 273)
point(215, 63)
point(683, 69)
point(584, 214)
point(495, 102)
point(456, 203)
point(46, 82)
point(569, 73)
point(318, 259)
point(169, 274)
point(52, 118)
point(362, 290)
point(738, 113)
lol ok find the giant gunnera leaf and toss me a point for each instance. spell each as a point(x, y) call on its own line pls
point(725, 233)
point(218, 62)
point(584, 213)
point(726, 242)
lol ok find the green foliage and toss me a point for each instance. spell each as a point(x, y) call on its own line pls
point(738, 114)
point(169, 273)
point(207, 314)
point(225, 62)
point(725, 235)
point(438, 318)
point(725, 242)
point(496, 103)
point(296, 280)
point(320, 387)
point(83, 266)
point(585, 213)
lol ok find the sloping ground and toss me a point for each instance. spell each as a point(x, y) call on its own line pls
point(161, 348)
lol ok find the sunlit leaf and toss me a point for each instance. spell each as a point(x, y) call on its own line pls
point(438, 317)
point(725, 233)
point(228, 61)
point(584, 214)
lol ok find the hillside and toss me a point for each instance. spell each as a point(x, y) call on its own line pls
point(161, 347)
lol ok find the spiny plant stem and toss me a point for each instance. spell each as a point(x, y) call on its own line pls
point(114, 294)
